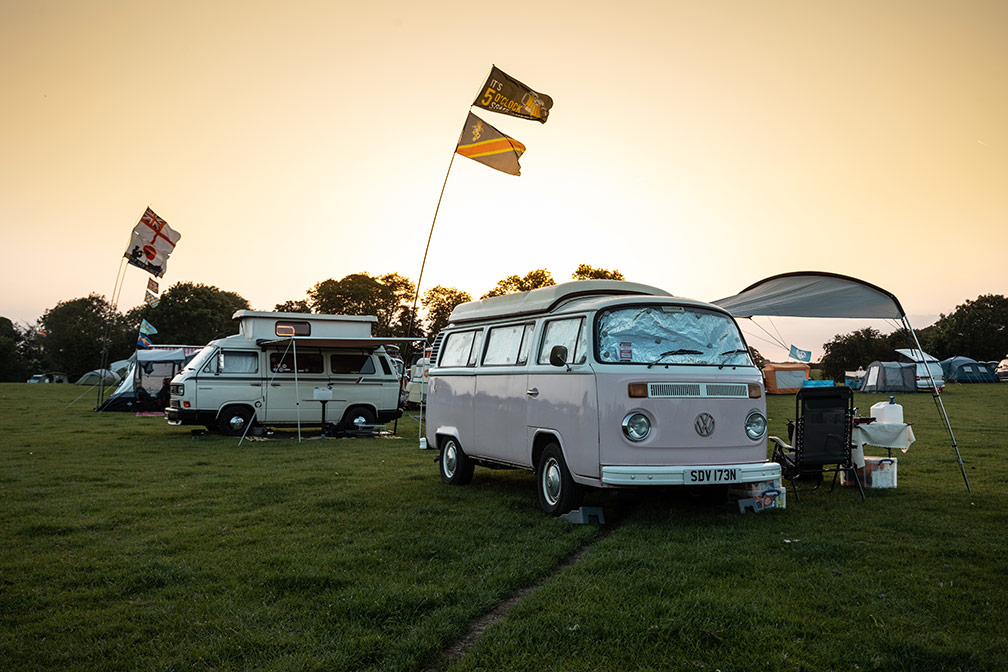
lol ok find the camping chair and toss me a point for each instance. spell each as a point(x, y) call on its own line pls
point(822, 436)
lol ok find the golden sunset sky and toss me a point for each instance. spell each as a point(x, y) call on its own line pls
point(695, 146)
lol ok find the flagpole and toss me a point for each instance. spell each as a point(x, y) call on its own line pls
point(416, 295)
point(114, 301)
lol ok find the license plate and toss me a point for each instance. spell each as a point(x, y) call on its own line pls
point(713, 475)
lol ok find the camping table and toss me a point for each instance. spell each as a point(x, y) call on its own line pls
point(885, 435)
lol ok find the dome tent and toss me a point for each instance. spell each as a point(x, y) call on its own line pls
point(890, 377)
point(961, 369)
point(95, 376)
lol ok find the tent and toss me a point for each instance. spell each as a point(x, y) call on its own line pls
point(96, 376)
point(817, 294)
point(144, 387)
point(961, 369)
point(890, 377)
point(786, 378)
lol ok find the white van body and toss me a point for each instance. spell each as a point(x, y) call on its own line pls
point(278, 368)
point(597, 383)
point(921, 360)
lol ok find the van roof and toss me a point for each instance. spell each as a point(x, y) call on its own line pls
point(546, 299)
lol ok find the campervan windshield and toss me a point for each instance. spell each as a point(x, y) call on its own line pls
point(651, 334)
point(197, 362)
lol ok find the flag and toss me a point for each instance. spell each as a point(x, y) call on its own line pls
point(147, 328)
point(40, 332)
point(143, 341)
point(800, 355)
point(152, 285)
point(151, 300)
point(482, 142)
point(151, 243)
point(506, 95)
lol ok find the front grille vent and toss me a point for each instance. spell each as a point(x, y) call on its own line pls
point(698, 390)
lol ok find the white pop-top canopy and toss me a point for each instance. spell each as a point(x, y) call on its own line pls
point(813, 294)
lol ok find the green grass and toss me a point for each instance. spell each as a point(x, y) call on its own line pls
point(127, 544)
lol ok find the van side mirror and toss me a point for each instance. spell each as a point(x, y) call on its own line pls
point(558, 355)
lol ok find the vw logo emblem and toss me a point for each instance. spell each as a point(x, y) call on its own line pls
point(704, 424)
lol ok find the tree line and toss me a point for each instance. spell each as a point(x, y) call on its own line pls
point(71, 336)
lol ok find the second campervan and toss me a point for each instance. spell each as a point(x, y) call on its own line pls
point(597, 384)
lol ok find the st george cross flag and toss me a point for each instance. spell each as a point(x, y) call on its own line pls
point(151, 300)
point(800, 355)
point(505, 94)
point(147, 328)
point(482, 142)
point(152, 285)
point(151, 243)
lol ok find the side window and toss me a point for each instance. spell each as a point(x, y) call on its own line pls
point(526, 344)
point(477, 347)
point(385, 365)
point(307, 362)
point(567, 333)
point(292, 328)
point(351, 363)
point(504, 345)
point(456, 348)
point(233, 361)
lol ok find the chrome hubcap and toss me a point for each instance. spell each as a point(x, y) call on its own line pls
point(449, 460)
point(236, 422)
point(551, 481)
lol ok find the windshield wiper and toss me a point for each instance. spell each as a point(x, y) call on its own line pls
point(731, 352)
point(671, 353)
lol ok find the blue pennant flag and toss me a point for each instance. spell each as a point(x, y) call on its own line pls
point(800, 355)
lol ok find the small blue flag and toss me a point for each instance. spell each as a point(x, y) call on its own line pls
point(147, 328)
point(800, 355)
point(143, 341)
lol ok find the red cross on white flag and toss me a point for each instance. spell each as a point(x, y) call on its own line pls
point(151, 243)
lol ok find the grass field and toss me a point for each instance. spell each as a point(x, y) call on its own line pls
point(126, 544)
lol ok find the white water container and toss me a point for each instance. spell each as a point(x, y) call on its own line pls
point(888, 412)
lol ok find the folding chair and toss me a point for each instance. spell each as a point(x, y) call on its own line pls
point(822, 437)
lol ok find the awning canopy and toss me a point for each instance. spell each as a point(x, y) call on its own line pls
point(813, 294)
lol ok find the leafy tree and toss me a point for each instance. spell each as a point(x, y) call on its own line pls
point(513, 283)
point(586, 272)
point(77, 331)
point(977, 329)
point(858, 348)
point(293, 306)
point(384, 296)
point(190, 314)
point(758, 359)
point(12, 364)
point(439, 302)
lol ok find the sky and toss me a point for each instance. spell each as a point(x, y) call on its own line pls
point(693, 146)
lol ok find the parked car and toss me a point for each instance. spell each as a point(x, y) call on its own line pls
point(1002, 370)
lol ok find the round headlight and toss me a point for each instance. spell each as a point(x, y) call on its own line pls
point(636, 426)
point(755, 425)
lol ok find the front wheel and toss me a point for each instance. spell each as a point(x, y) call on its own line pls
point(456, 466)
point(558, 492)
point(234, 420)
point(358, 416)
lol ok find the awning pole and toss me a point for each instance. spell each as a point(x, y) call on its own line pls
point(937, 399)
point(297, 393)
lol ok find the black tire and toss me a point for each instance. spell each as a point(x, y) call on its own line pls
point(234, 420)
point(456, 467)
point(359, 415)
point(558, 492)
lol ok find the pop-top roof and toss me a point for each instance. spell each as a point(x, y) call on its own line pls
point(546, 299)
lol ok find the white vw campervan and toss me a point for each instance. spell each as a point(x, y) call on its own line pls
point(271, 372)
point(597, 383)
